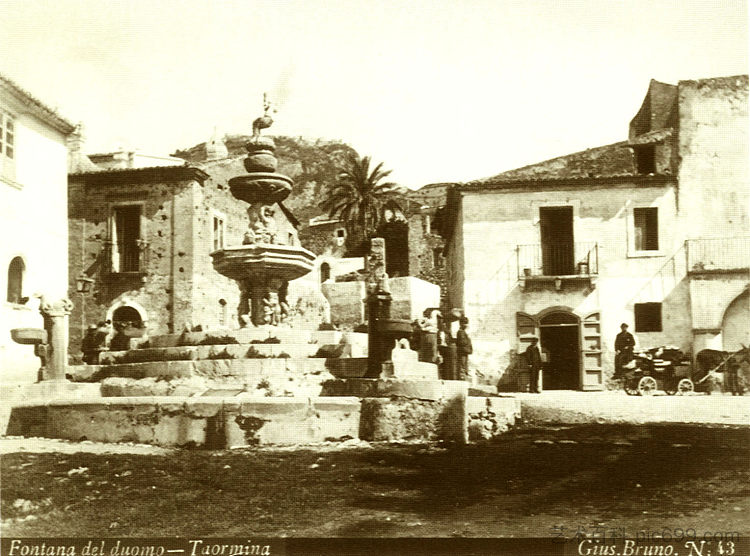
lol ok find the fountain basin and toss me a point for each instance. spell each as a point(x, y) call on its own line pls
point(257, 260)
point(261, 187)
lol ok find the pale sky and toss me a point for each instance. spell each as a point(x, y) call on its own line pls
point(441, 90)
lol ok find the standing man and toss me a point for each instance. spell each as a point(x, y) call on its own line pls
point(534, 359)
point(624, 344)
point(463, 348)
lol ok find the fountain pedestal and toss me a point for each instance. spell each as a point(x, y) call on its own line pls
point(264, 262)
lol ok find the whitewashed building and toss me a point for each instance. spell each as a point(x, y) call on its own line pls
point(33, 213)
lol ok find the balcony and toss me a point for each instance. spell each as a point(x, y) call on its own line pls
point(127, 258)
point(564, 262)
point(717, 255)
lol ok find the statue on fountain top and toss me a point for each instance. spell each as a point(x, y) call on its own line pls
point(265, 121)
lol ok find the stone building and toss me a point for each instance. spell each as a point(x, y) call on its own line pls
point(33, 252)
point(652, 231)
point(144, 235)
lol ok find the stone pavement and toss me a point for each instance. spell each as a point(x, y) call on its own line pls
point(570, 407)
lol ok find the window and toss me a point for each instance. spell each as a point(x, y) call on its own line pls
point(7, 144)
point(16, 270)
point(647, 317)
point(218, 233)
point(645, 159)
point(646, 228)
point(126, 238)
point(325, 272)
point(340, 236)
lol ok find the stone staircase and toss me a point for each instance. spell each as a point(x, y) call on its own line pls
point(258, 386)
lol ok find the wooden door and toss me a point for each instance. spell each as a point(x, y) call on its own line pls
point(527, 327)
point(592, 377)
point(556, 230)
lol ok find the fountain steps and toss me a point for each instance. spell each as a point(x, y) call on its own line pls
point(357, 340)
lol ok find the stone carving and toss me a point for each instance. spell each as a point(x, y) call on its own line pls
point(265, 121)
point(377, 279)
point(262, 226)
point(271, 308)
point(56, 307)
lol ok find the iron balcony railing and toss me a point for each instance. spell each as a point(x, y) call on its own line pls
point(724, 253)
point(126, 257)
point(557, 259)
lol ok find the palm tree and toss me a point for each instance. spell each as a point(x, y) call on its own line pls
point(357, 197)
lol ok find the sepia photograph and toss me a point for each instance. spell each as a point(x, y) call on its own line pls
point(374, 277)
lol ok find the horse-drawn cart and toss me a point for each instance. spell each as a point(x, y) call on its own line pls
point(661, 368)
point(669, 369)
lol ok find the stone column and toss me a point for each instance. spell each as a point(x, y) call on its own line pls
point(55, 314)
point(378, 309)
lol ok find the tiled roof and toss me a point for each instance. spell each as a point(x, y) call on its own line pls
point(613, 160)
point(142, 174)
point(40, 109)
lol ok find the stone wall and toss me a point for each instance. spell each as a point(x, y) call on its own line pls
point(165, 289)
point(714, 193)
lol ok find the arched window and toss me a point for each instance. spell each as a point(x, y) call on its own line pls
point(325, 272)
point(16, 271)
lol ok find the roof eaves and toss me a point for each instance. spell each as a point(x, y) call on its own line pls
point(39, 109)
point(572, 181)
point(179, 172)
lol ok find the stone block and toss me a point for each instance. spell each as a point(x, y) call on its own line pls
point(346, 300)
point(384, 419)
point(411, 296)
point(291, 421)
point(385, 388)
point(30, 421)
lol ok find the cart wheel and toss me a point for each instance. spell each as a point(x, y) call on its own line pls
point(630, 386)
point(646, 386)
point(685, 386)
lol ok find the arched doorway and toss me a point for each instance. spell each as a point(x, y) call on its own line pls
point(559, 336)
point(735, 327)
point(126, 316)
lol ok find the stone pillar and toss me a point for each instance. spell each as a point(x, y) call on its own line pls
point(55, 314)
point(378, 309)
point(378, 346)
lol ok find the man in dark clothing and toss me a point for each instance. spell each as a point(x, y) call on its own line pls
point(624, 344)
point(463, 348)
point(534, 359)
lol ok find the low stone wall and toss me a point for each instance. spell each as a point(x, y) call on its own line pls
point(208, 422)
point(223, 422)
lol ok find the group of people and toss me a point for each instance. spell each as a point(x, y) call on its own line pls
point(624, 346)
point(97, 339)
point(445, 342)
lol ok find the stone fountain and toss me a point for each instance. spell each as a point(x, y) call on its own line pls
point(265, 261)
point(262, 383)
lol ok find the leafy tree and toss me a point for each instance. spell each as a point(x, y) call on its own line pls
point(357, 197)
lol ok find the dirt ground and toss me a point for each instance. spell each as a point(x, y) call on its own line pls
point(542, 482)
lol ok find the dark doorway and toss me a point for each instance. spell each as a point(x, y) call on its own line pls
point(556, 224)
point(125, 317)
point(559, 338)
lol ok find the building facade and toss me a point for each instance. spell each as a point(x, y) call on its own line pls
point(33, 211)
point(143, 236)
point(652, 231)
